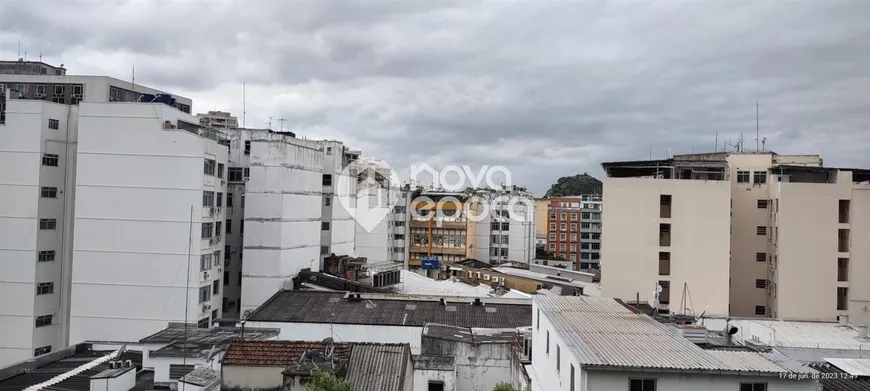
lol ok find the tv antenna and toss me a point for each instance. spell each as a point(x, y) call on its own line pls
point(756, 128)
point(282, 120)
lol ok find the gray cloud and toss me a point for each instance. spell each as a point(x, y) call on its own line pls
point(548, 88)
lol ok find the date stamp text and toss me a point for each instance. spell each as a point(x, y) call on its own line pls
point(816, 376)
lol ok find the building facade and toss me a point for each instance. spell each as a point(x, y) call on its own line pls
point(150, 190)
point(218, 120)
point(574, 229)
point(508, 231)
point(727, 221)
point(39, 127)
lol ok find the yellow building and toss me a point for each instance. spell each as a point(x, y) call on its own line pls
point(439, 226)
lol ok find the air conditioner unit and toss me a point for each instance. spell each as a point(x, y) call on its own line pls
point(206, 307)
point(205, 276)
point(501, 283)
point(220, 269)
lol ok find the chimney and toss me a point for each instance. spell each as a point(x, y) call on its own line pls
point(442, 301)
point(862, 332)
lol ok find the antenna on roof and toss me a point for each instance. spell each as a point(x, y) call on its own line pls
point(756, 127)
point(244, 104)
point(133, 81)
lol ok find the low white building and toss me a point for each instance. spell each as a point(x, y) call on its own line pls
point(149, 221)
point(381, 318)
point(593, 343)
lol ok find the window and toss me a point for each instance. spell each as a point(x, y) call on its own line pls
point(219, 199)
point(563, 216)
point(552, 247)
point(208, 198)
point(552, 216)
point(573, 217)
point(204, 294)
point(53, 124)
point(842, 269)
point(434, 385)
point(742, 176)
point(226, 279)
point(759, 177)
point(665, 295)
point(48, 192)
point(41, 351)
point(248, 147)
point(327, 180)
point(45, 288)
point(246, 174)
point(762, 204)
point(327, 200)
point(324, 226)
point(573, 226)
point(49, 160)
point(234, 174)
point(664, 235)
point(218, 228)
point(538, 320)
point(761, 257)
point(552, 226)
point(571, 378)
point(216, 287)
point(208, 167)
point(552, 236)
point(207, 229)
point(45, 320)
point(563, 227)
point(47, 224)
point(573, 247)
point(548, 342)
point(573, 237)
point(204, 262)
point(562, 236)
point(177, 371)
point(324, 249)
point(664, 263)
point(505, 226)
point(220, 170)
point(229, 225)
point(761, 230)
point(843, 207)
point(753, 386)
point(761, 284)
point(760, 310)
point(46, 256)
point(641, 384)
point(229, 200)
point(558, 357)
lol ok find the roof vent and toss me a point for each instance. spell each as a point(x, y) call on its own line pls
point(844, 319)
point(477, 301)
point(862, 332)
point(442, 301)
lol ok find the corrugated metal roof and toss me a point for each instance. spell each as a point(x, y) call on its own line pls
point(852, 366)
point(603, 332)
point(379, 367)
point(835, 379)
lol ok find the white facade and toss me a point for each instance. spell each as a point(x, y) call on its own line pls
point(499, 237)
point(338, 227)
point(283, 199)
point(38, 187)
point(39, 116)
point(139, 261)
point(386, 240)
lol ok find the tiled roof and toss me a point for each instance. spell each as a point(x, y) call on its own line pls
point(79, 382)
point(379, 367)
point(392, 310)
point(275, 353)
point(602, 332)
point(835, 379)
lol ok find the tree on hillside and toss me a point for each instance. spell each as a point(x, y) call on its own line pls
point(323, 381)
point(575, 185)
point(506, 387)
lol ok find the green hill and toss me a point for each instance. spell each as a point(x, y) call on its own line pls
point(575, 185)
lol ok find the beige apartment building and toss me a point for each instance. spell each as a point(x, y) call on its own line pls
point(742, 234)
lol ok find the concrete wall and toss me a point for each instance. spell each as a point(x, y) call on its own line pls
point(699, 250)
point(476, 366)
point(244, 377)
point(136, 184)
point(282, 214)
point(24, 138)
point(235, 220)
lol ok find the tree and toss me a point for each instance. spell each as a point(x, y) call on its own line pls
point(546, 255)
point(505, 387)
point(323, 381)
point(575, 185)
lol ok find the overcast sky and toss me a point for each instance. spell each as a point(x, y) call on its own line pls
point(546, 88)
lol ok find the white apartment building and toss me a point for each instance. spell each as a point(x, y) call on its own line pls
point(150, 187)
point(218, 120)
point(282, 191)
point(39, 122)
point(740, 234)
point(582, 343)
point(500, 238)
point(377, 191)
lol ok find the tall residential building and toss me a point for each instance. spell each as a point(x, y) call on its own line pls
point(542, 206)
point(574, 229)
point(508, 232)
point(745, 234)
point(281, 191)
point(385, 240)
point(218, 120)
point(150, 188)
point(39, 127)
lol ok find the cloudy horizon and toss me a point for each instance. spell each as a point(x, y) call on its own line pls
point(545, 88)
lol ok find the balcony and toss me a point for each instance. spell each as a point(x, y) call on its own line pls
point(449, 224)
point(449, 250)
